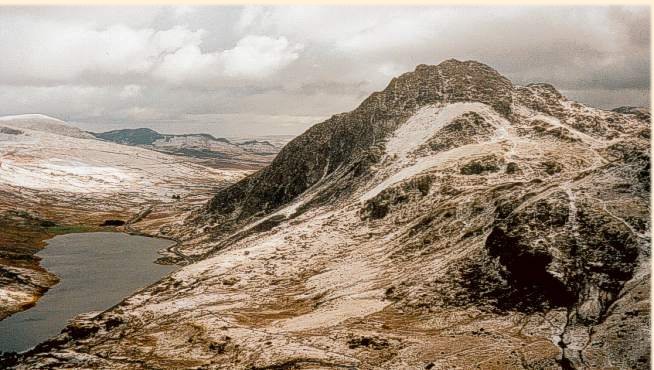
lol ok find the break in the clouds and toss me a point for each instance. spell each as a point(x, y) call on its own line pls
point(237, 71)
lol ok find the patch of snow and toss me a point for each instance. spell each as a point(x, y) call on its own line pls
point(10, 297)
point(331, 314)
point(64, 175)
point(425, 163)
point(422, 126)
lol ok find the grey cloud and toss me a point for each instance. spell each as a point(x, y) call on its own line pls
point(230, 67)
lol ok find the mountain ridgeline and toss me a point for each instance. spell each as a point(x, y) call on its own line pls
point(210, 150)
point(146, 136)
point(346, 144)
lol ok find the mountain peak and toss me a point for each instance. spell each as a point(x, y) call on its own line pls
point(455, 63)
point(452, 81)
point(347, 140)
point(346, 144)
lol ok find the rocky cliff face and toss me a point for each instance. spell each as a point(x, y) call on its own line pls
point(452, 220)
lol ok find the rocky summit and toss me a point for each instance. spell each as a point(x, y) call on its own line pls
point(452, 220)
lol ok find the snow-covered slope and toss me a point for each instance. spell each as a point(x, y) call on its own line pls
point(453, 220)
point(48, 155)
point(40, 122)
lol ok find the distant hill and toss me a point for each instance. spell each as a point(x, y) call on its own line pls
point(217, 151)
point(147, 136)
point(137, 136)
point(43, 123)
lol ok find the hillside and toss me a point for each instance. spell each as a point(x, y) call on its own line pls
point(41, 123)
point(218, 152)
point(55, 178)
point(137, 136)
point(452, 220)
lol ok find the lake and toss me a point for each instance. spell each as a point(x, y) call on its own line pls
point(96, 271)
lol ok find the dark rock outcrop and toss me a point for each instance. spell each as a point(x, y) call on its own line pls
point(137, 136)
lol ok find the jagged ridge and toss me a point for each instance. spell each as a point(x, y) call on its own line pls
point(347, 140)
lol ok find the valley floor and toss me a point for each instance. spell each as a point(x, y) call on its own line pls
point(62, 181)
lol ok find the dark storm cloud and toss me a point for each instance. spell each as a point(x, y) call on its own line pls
point(268, 70)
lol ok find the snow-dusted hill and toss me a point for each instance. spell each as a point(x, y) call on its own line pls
point(43, 123)
point(54, 176)
point(220, 152)
point(48, 154)
point(452, 220)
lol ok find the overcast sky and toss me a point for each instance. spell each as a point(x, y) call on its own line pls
point(248, 71)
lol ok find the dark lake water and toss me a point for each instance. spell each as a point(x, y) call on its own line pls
point(96, 271)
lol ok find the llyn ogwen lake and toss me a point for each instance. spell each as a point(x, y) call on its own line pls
point(96, 271)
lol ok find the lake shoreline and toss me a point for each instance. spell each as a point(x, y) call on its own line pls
point(111, 270)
